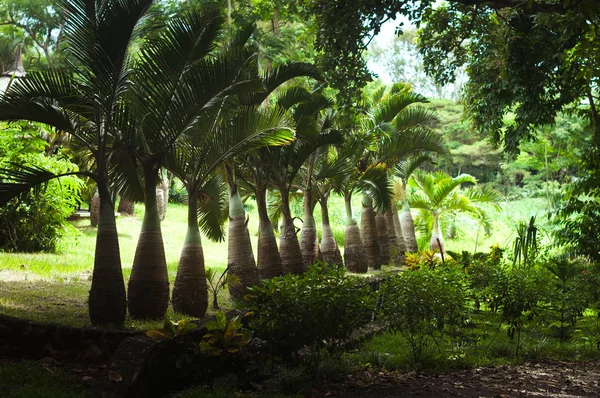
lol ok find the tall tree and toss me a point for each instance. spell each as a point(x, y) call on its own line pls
point(85, 100)
point(181, 75)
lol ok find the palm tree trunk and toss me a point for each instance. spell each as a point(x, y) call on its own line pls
point(126, 207)
point(240, 260)
point(397, 256)
point(383, 240)
point(269, 261)
point(95, 209)
point(354, 251)
point(149, 281)
point(408, 228)
point(330, 252)
point(398, 230)
point(437, 239)
point(190, 293)
point(368, 233)
point(107, 300)
point(289, 248)
point(309, 241)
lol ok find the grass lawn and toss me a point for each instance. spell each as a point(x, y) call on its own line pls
point(54, 287)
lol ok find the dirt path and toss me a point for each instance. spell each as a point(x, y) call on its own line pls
point(541, 379)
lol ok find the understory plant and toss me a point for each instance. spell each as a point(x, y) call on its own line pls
point(318, 309)
point(424, 306)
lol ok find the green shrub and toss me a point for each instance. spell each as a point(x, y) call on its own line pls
point(36, 221)
point(517, 294)
point(318, 309)
point(423, 304)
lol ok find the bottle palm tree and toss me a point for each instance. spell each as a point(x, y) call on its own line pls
point(194, 162)
point(181, 77)
point(437, 194)
point(394, 127)
point(85, 100)
point(247, 168)
point(285, 164)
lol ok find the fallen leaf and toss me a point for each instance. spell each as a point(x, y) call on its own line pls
point(114, 376)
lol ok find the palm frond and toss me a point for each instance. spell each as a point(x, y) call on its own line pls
point(375, 183)
point(280, 75)
point(391, 106)
point(212, 205)
point(20, 179)
point(485, 194)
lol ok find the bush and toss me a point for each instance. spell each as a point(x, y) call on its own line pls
point(318, 309)
point(36, 221)
point(422, 304)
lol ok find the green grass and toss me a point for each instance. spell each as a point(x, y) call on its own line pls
point(30, 380)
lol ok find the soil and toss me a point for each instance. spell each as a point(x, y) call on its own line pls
point(538, 379)
point(551, 379)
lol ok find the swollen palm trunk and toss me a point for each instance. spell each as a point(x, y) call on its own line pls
point(408, 229)
point(436, 243)
point(309, 243)
point(126, 207)
point(289, 247)
point(148, 296)
point(383, 239)
point(107, 300)
point(399, 234)
point(368, 233)
point(329, 250)
point(239, 249)
point(397, 256)
point(190, 293)
point(354, 251)
point(269, 261)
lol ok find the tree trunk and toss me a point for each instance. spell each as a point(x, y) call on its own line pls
point(160, 204)
point(354, 251)
point(309, 241)
point(190, 293)
point(149, 281)
point(437, 239)
point(95, 209)
point(383, 239)
point(330, 252)
point(164, 186)
point(269, 261)
point(240, 260)
point(408, 228)
point(289, 248)
point(368, 233)
point(397, 256)
point(107, 300)
point(398, 230)
point(126, 207)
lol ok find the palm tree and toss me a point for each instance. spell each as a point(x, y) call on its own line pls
point(311, 171)
point(394, 128)
point(181, 76)
point(247, 169)
point(436, 194)
point(85, 101)
point(194, 162)
point(285, 163)
point(372, 183)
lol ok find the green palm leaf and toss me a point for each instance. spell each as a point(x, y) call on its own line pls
point(212, 208)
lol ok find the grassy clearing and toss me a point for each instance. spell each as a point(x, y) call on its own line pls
point(54, 287)
point(30, 380)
